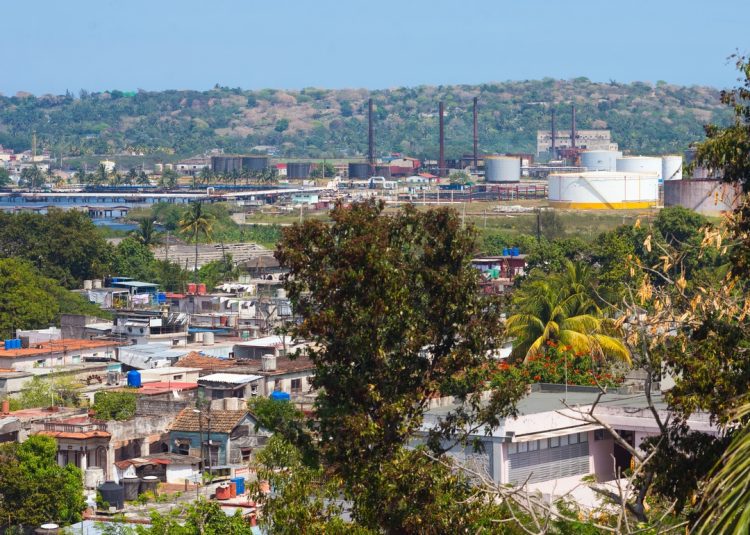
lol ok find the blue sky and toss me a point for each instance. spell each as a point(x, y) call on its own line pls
point(49, 46)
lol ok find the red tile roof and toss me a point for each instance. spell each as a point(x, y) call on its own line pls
point(76, 435)
point(221, 421)
point(65, 345)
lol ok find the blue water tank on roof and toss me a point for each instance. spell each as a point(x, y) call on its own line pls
point(280, 396)
point(134, 379)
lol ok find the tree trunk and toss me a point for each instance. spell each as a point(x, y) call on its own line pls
point(195, 237)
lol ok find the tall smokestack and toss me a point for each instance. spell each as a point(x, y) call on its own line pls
point(441, 162)
point(476, 136)
point(370, 139)
point(554, 135)
point(573, 127)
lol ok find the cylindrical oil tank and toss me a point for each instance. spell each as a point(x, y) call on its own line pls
point(706, 196)
point(671, 167)
point(134, 379)
point(47, 529)
point(254, 163)
point(226, 164)
point(158, 167)
point(502, 169)
point(359, 170)
point(383, 170)
point(298, 169)
point(93, 477)
point(149, 484)
point(600, 160)
point(640, 164)
point(603, 190)
point(208, 338)
point(132, 486)
point(88, 284)
point(113, 494)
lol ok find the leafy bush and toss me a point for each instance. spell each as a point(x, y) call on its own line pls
point(114, 405)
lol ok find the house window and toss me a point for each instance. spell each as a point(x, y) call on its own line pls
point(39, 363)
point(177, 378)
point(533, 445)
point(512, 448)
point(554, 442)
point(599, 434)
point(296, 386)
point(583, 437)
point(564, 440)
point(253, 390)
point(573, 439)
point(523, 447)
point(246, 453)
point(543, 444)
point(182, 447)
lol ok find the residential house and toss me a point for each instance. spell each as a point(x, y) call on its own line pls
point(229, 385)
point(57, 353)
point(220, 436)
point(551, 447)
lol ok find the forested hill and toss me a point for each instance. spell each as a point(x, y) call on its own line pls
point(644, 118)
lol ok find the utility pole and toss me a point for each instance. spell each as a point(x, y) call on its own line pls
point(538, 225)
point(441, 161)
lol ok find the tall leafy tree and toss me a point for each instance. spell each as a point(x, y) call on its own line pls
point(35, 490)
point(146, 232)
point(392, 306)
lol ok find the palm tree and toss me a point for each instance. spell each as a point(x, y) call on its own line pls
point(146, 232)
point(194, 223)
point(143, 179)
point(131, 177)
point(205, 175)
point(727, 494)
point(552, 311)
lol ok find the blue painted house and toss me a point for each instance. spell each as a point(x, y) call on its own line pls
point(228, 436)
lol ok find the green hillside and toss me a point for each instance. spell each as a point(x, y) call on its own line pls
point(644, 118)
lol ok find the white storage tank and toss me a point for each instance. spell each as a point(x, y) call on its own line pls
point(671, 167)
point(93, 477)
point(208, 338)
point(502, 169)
point(603, 190)
point(640, 164)
point(600, 160)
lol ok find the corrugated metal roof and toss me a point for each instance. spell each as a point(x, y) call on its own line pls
point(232, 378)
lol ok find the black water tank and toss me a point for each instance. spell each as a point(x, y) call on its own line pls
point(298, 170)
point(254, 163)
point(113, 494)
point(359, 170)
point(132, 487)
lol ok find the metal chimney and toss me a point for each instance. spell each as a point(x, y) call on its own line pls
point(476, 136)
point(553, 153)
point(441, 162)
point(573, 127)
point(370, 140)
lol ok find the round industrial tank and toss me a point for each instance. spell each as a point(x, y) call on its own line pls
point(707, 196)
point(87, 284)
point(600, 160)
point(254, 163)
point(47, 529)
point(383, 170)
point(149, 484)
point(359, 170)
point(603, 190)
point(134, 379)
point(158, 167)
point(113, 494)
point(168, 167)
point(208, 338)
point(226, 164)
point(671, 167)
point(502, 169)
point(198, 337)
point(640, 164)
point(298, 170)
point(93, 477)
point(132, 486)
point(96, 283)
